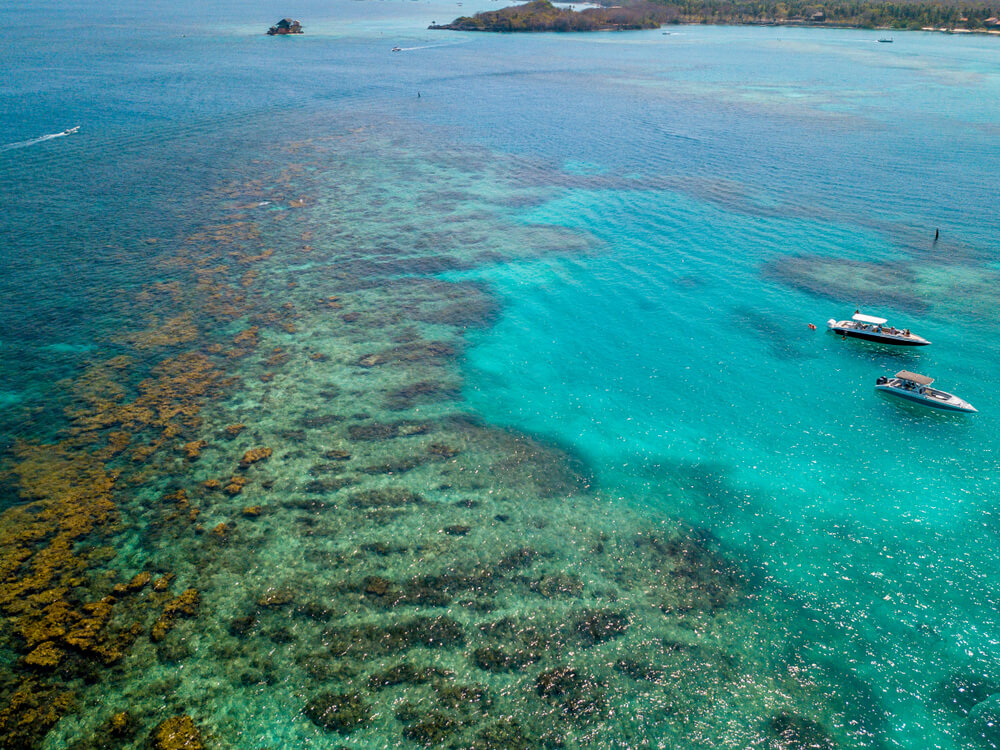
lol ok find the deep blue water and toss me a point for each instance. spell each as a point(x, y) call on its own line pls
point(737, 185)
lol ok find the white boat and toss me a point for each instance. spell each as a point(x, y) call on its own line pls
point(71, 130)
point(871, 328)
point(396, 49)
point(916, 388)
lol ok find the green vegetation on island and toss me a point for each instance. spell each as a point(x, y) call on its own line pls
point(541, 15)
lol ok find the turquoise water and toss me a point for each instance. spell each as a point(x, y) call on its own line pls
point(606, 249)
point(680, 364)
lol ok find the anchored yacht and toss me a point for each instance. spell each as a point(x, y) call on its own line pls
point(916, 388)
point(871, 328)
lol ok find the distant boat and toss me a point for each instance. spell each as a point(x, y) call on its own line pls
point(396, 49)
point(916, 388)
point(70, 131)
point(886, 41)
point(871, 328)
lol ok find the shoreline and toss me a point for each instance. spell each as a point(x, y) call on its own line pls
point(787, 23)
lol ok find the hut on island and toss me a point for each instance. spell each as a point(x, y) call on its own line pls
point(285, 26)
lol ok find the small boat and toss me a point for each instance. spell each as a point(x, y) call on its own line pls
point(916, 388)
point(396, 49)
point(885, 41)
point(871, 328)
point(70, 131)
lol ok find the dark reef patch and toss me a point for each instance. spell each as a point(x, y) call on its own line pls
point(962, 691)
point(556, 585)
point(793, 732)
point(422, 392)
point(505, 734)
point(372, 432)
point(576, 692)
point(376, 431)
point(342, 712)
point(323, 420)
point(361, 641)
point(386, 497)
point(638, 670)
point(983, 725)
point(771, 330)
point(596, 626)
point(493, 659)
point(432, 729)
point(398, 465)
point(701, 579)
point(838, 279)
point(463, 697)
point(406, 673)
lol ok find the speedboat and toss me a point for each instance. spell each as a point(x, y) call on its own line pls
point(396, 49)
point(885, 41)
point(916, 388)
point(871, 328)
point(71, 130)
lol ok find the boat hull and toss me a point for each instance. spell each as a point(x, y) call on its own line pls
point(956, 405)
point(881, 338)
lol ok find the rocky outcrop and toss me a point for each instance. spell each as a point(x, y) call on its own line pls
point(285, 26)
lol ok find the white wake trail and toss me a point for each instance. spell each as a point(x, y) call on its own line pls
point(39, 139)
point(433, 46)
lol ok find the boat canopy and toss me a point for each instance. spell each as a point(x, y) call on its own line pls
point(912, 376)
point(869, 319)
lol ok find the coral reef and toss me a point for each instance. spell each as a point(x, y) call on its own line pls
point(792, 732)
point(30, 711)
point(339, 713)
point(389, 570)
point(193, 449)
point(176, 733)
point(184, 605)
point(254, 456)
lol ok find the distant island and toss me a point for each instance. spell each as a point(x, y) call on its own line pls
point(285, 26)
point(927, 15)
point(541, 15)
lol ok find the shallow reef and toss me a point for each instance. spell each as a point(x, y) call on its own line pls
point(269, 522)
